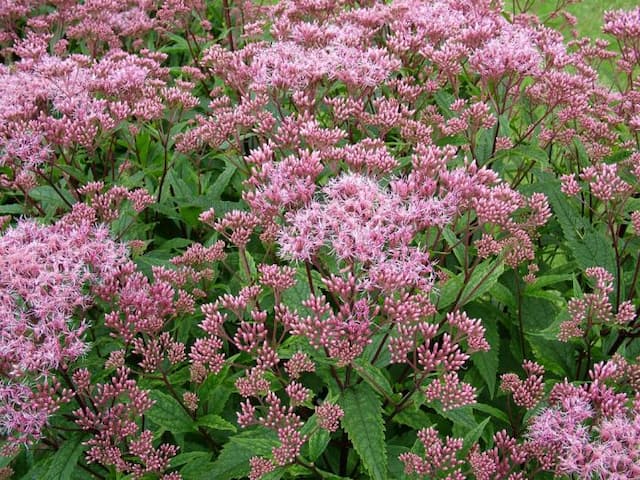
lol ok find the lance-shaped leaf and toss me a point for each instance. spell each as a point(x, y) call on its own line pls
point(363, 423)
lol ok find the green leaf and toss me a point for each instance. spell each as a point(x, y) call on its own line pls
point(537, 313)
point(590, 247)
point(493, 411)
point(383, 357)
point(555, 356)
point(180, 44)
point(331, 476)
point(458, 249)
point(462, 417)
point(294, 296)
point(483, 278)
point(38, 470)
point(189, 457)
point(64, 461)
point(318, 443)
point(374, 377)
point(484, 146)
point(396, 467)
point(196, 469)
point(247, 277)
point(487, 362)
point(175, 243)
point(219, 186)
point(169, 414)
point(216, 422)
point(414, 418)
point(363, 423)
point(546, 280)
point(472, 436)
point(50, 200)
point(11, 209)
point(233, 461)
point(444, 100)
point(507, 162)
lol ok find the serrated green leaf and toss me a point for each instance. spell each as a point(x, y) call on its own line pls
point(11, 209)
point(396, 467)
point(503, 295)
point(537, 313)
point(38, 470)
point(483, 278)
point(331, 476)
point(458, 249)
point(413, 417)
point(487, 362)
point(363, 423)
point(555, 356)
point(374, 377)
point(216, 422)
point(247, 277)
point(233, 461)
point(484, 146)
point(462, 417)
point(167, 413)
point(493, 411)
point(64, 461)
point(50, 200)
point(176, 243)
point(188, 457)
point(196, 469)
point(546, 280)
point(215, 191)
point(294, 296)
point(379, 346)
point(473, 436)
point(444, 100)
point(589, 246)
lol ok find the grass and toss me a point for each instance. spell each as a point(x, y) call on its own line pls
point(588, 12)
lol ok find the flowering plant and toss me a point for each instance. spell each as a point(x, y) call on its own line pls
point(321, 239)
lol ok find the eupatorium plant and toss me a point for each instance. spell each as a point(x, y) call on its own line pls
point(47, 276)
point(321, 239)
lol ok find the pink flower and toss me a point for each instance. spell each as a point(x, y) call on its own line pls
point(46, 274)
point(362, 222)
point(511, 53)
point(329, 416)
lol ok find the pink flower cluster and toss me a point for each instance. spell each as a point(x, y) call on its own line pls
point(364, 225)
point(50, 103)
point(46, 274)
point(591, 430)
point(111, 413)
point(595, 308)
point(439, 457)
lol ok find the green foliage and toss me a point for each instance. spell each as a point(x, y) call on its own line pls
point(233, 461)
point(63, 463)
point(589, 246)
point(169, 414)
point(364, 424)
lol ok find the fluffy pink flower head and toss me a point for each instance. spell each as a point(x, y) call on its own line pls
point(44, 275)
point(44, 272)
point(581, 443)
point(512, 53)
point(363, 223)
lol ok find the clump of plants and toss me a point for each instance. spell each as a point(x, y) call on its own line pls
point(322, 239)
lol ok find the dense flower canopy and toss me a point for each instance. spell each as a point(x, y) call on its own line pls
point(318, 239)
